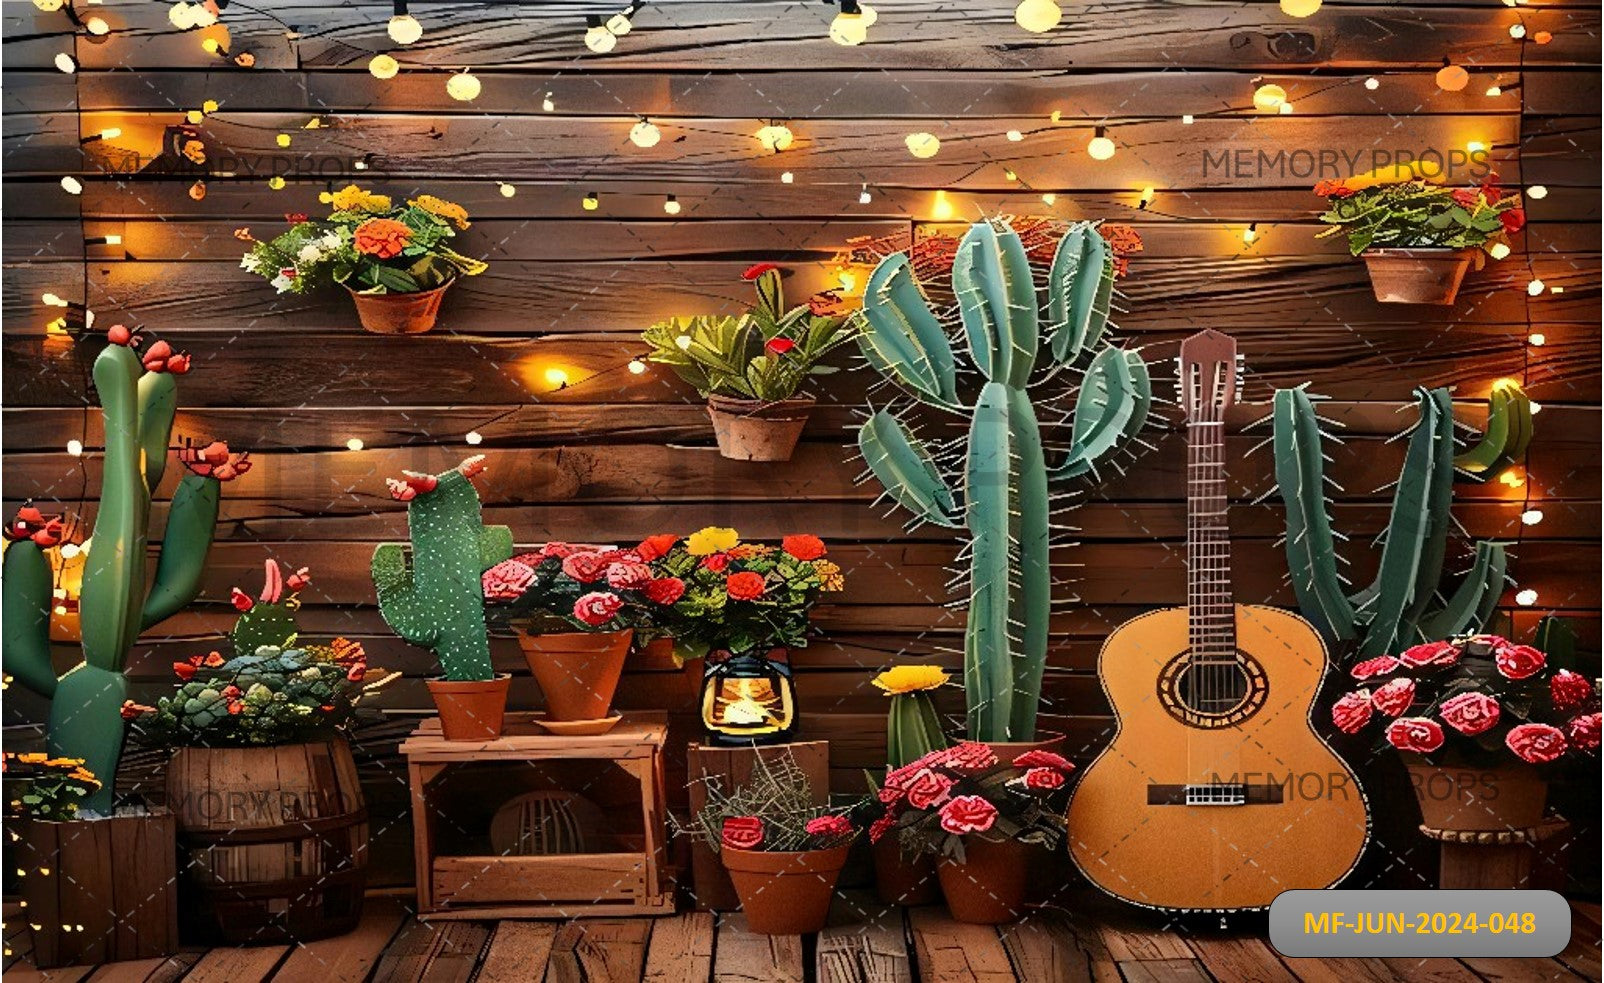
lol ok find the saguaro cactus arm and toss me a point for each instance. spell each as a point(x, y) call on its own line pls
point(1080, 287)
point(191, 521)
point(906, 471)
point(1112, 406)
point(1310, 543)
point(1509, 431)
point(158, 401)
point(905, 341)
point(25, 600)
point(1472, 606)
point(997, 303)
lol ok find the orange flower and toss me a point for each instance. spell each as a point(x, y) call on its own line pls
point(382, 237)
point(803, 546)
point(745, 586)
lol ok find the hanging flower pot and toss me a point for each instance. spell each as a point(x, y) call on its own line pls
point(578, 671)
point(785, 893)
point(752, 430)
point(988, 886)
point(399, 313)
point(1417, 276)
point(471, 710)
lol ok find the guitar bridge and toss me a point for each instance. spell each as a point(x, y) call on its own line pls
point(1217, 794)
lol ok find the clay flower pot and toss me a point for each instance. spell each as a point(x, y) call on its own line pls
point(750, 430)
point(988, 888)
point(1507, 796)
point(901, 878)
point(577, 670)
point(472, 710)
point(1417, 276)
point(785, 893)
point(1046, 740)
point(412, 313)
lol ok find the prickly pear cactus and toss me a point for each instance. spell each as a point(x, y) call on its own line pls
point(270, 618)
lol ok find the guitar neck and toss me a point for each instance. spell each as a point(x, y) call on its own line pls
point(1211, 614)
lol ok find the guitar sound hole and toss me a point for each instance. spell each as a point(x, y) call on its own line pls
point(1214, 692)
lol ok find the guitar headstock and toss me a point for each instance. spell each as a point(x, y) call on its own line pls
point(1208, 376)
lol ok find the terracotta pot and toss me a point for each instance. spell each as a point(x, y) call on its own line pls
point(1508, 796)
point(1046, 740)
point(785, 893)
point(1417, 276)
point(577, 670)
point(988, 888)
point(750, 430)
point(471, 711)
point(412, 313)
point(902, 878)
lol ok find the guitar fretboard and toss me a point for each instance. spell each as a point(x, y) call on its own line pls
point(1211, 624)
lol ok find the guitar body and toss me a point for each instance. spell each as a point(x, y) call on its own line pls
point(1131, 837)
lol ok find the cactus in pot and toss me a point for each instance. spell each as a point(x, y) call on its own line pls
point(138, 396)
point(433, 596)
point(1000, 492)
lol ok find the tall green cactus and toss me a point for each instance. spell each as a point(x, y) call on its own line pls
point(138, 396)
point(1003, 487)
point(1402, 606)
point(435, 597)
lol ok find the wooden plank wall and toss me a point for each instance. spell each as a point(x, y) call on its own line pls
point(616, 456)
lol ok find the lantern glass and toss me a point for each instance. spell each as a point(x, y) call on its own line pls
point(748, 698)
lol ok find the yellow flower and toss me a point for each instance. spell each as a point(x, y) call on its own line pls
point(354, 199)
point(440, 208)
point(830, 578)
point(713, 539)
point(33, 758)
point(911, 679)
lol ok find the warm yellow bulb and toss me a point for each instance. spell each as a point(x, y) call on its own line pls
point(600, 40)
point(76, 449)
point(1526, 598)
point(592, 202)
point(1269, 97)
point(941, 208)
point(1535, 288)
point(507, 190)
point(1038, 16)
point(111, 133)
point(1531, 517)
point(1014, 136)
point(1513, 478)
point(1498, 250)
point(1250, 233)
point(404, 29)
point(65, 63)
point(1452, 78)
point(114, 240)
point(276, 182)
point(787, 177)
point(619, 25)
point(474, 437)
point(557, 377)
point(49, 6)
point(97, 26)
point(463, 87)
point(671, 205)
point(1537, 338)
point(636, 367)
point(384, 67)
point(1100, 147)
point(354, 444)
point(1537, 192)
point(1475, 147)
point(1300, 8)
point(849, 30)
point(775, 137)
point(922, 145)
point(645, 134)
point(53, 300)
point(211, 46)
point(1517, 31)
point(1049, 199)
point(181, 15)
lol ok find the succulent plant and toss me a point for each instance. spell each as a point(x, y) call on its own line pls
point(269, 619)
point(272, 696)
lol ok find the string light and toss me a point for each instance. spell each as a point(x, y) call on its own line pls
point(787, 177)
point(1526, 598)
point(283, 139)
point(1146, 198)
point(1475, 147)
point(547, 104)
point(49, 6)
point(592, 201)
point(75, 448)
point(1537, 192)
point(849, 27)
point(52, 300)
point(1300, 8)
point(671, 205)
point(1100, 147)
point(1269, 97)
point(463, 87)
point(1494, 91)
point(941, 208)
point(1537, 339)
point(1512, 477)
point(1250, 233)
point(1535, 288)
point(1372, 83)
point(618, 25)
point(1517, 31)
point(507, 190)
point(97, 26)
point(383, 67)
point(557, 377)
point(403, 27)
point(72, 185)
point(1451, 78)
point(65, 63)
point(645, 134)
point(922, 145)
point(775, 137)
point(1187, 119)
point(1531, 517)
point(1049, 199)
point(598, 38)
point(1014, 136)
point(1498, 250)
point(181, 15)
point(636, 367)
point(354, 444)
point(1536, 407)
point(106, 240)
point(864, 197)
point(1038, 16)
point(474, 437)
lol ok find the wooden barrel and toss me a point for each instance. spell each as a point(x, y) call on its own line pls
point(273, 841)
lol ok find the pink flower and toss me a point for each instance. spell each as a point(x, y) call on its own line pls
point(1584, 731)
point(597, 608)
point(1430, 654)
point(968, 755)
point(299, 579)
point(1038, 758)
point(665, 590)
point(1043, 778)
point(1379, 666)
point(507, 580)
point(967, 814)
point(833, 825)
point(1352, 712)
point(558, 550)
point(586, 568)
point(1569, 689)
point(1519, 661)
point(1394, 697)
point(928, 789)
point(1536, 743)
point(1415, 734)
point(628, 575)
point(742, 832)
point(880, 827)
point(1470, 713)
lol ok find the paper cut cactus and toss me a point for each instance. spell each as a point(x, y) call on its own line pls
point(270, 619)
point(1000, 491)
point(138, 397)
point(433, 596)
point(1402, 606)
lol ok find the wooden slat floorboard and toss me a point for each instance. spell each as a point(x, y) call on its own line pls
point(347, 958)
point(519, 952)
point(681, 949)
point(742, 957)
point(949, 951)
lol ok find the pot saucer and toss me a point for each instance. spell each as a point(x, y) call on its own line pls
point(580, 728)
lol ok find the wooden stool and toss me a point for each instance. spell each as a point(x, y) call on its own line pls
point(1503, 859)
point(629, 881)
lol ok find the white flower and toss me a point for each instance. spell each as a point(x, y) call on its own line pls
point(330, 240)
point(310, 253)
point(251, 262)
point(282, 283)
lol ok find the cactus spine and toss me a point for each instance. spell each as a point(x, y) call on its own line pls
point(137, 405)
point(435, 597)
point(1004, 494)
point(1402, 606)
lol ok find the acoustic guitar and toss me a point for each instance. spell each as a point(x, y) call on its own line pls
point(1216, 794)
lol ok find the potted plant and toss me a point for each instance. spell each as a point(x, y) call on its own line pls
point(270, 814)
point(1477, 719)
point(751, 367)
point(907, 876)
point(743, 606)
point(576, 610)
point(986, 819)
point(431, 594)
point(1417, 238)
point(783, 853)
point(395, 260)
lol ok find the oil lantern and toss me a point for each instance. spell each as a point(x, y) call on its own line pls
point(748, 698)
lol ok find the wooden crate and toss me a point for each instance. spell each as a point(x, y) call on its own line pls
point(732, 766)
point(629, 882)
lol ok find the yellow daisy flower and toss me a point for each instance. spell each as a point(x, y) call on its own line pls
point(911, 679)
point(713, 539)
point(354, 199)
point(440, 208)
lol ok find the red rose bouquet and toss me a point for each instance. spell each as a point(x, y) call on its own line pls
point(932, 803)
point(571, 587)
point(1479, 698)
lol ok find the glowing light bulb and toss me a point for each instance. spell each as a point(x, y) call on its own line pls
point(592, 201)
point(1494, 91)
point(618, 25)
point(1476, 147)
point(283, 139)
point(1038, 16)
point(1187, 119)
point(1526, 598)
point(1517, 31)
point(1531, 517)
point(181, 15)
point(637, 367)
point(53, 300)
point(1008, 172)
point(941, 208)
point(775, 137)
point(865, 198)
point(384, 67)
point(1300, 8)
point(111, 133)
point(849, 29)
point(1452, 78)
point(600, 40)
point(922, 145)
point(1014, 136)
point(474, 437)
point(75, 448)
point(1535, 288)
point(1286, 109)
point(463, 87)
point(1250, 233)
point(97, 26)
point(507, 190)
point(787, 177)
point(1100, 147)
point(1372, 83)
point(1269, 97)
point(1537, 192)
point(1536, 407)
point(404, 29)
point(671, 205)
point(65, 63)
point(1498, 250)
point(211, 46)
point(1146, 198)
point(1049, 199)
point(276, 182)
point(547, 104)
point(645, 134)
point(1537, 338)
point(557, 377)
point(49, 6)
point(204, 17)
point(1512, 477)
point(354, 444)
point(114, 240)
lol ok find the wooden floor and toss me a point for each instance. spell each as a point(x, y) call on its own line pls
point(866, 942)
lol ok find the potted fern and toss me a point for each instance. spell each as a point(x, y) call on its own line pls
point(751, 368)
